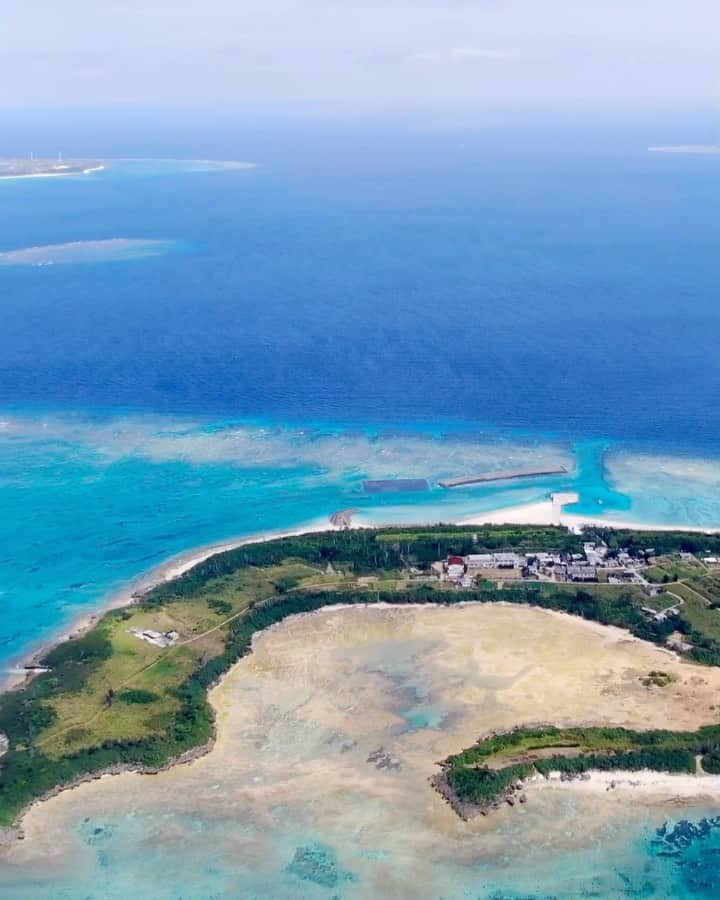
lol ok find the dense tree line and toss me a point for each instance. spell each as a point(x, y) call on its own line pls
point(26, 772)
point(366, 550)
point(578, 750)
point(662, 542)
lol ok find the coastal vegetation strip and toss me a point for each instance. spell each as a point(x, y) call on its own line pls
point(496, 767)
point(131, 693)
point(428, 544)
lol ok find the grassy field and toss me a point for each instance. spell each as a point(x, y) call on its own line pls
point(99, 711)
point(701, 617)
point(599, 589)
point(112, 699)
point(402, 537)
point(707, 584)
point(662, 601)
point(673, 568)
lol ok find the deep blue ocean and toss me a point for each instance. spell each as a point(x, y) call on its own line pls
point(387, 298)
point(542, 279)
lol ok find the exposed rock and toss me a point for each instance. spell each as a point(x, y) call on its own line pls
point(316, 863)
point(382, 759)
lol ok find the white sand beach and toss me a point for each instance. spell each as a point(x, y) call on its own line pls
point(658, 785)
point(38, 175)
point(87, 171)
point(543, 512)
point(166, 571)
point(551, 512)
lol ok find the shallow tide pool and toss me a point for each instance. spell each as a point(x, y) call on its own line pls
point(317, 787)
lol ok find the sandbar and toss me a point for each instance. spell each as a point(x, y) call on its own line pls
point(548, 512)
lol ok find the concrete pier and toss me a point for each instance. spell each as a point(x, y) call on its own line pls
point(504, 475)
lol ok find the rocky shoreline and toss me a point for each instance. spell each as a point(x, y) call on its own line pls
point(16, 833)
point(465, 810)
point(510, 796)
point(167, 572)
point(513, 794)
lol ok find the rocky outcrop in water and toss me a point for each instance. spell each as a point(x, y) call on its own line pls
point(672, 838)
point(381, 759)
point(316, 863)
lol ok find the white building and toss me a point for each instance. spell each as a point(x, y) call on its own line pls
point(480, 561)
point(546, 559)
point(493, 561)
point(507, 561)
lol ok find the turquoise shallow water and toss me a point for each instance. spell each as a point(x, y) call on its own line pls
point(223, 830)
point(654, 859)
point(359, 280)
point(96, 500)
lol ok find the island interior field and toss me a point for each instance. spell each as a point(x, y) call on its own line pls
point(437, 303)
point(131, 692)
point(318, 783)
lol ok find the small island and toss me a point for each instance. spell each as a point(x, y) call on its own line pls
point(22, 167)
point(131, 692)
point(696, 149)
point(500, 766)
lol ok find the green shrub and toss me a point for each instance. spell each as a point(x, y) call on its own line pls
point(138, 696)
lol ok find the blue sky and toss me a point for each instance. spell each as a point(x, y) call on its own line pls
point(353, 54)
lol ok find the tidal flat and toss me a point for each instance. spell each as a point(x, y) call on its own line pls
point(317, 785)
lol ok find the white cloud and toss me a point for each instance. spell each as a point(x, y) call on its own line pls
point(453, 55)
point(357, 53)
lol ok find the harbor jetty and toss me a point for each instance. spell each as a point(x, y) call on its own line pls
point(503, 475)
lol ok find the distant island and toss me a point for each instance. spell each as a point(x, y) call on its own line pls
point(21, 167)
point(699, 149)
point(130, 691)
point(106, 250)
point(32, 167)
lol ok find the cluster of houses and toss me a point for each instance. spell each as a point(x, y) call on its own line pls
point(710, 562)
point(463, 570)
point(585, 567)
point(596, 563)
